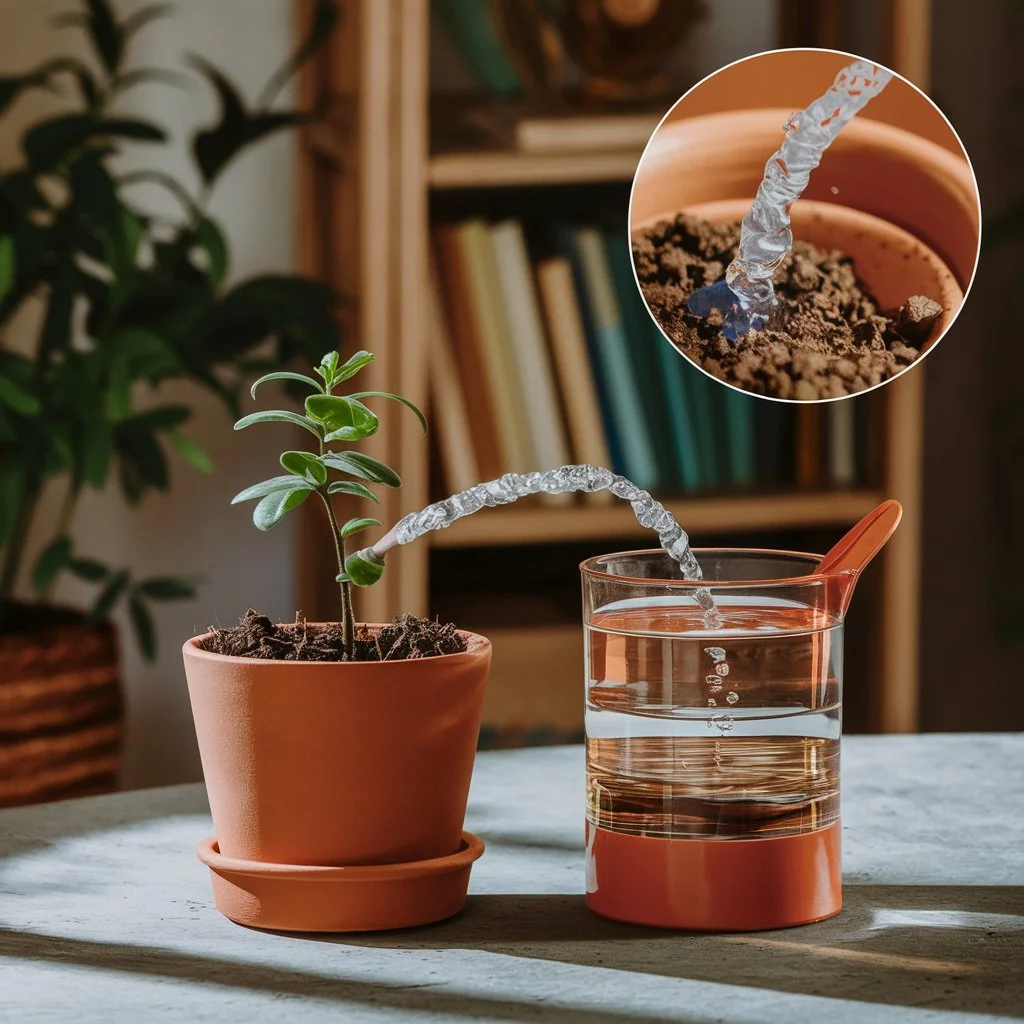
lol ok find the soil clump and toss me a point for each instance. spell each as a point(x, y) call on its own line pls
point(828, 337)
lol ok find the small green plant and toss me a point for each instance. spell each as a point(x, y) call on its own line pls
point(332, 419)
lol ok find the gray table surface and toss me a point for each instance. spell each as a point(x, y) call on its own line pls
point(105, 913)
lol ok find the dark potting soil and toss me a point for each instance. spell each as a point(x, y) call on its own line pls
point(256, 636)
point(827, 339)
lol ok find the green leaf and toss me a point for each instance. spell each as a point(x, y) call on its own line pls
point(119, 390)
point(97, 442)
point(109, 595)
point(352, 366)
point(8, 266)
point(190, 451)
point(344, 419)
point(352, 487)
point(328, 366)
point(394, 398)
point(363, 466)
point(17, 398)
point(214, 245)
point(49, 563)
point(167, 588)
point(279, 416)
point(273, 508)
point(49, 142)
point(88, 569)
point(142, 623)
point(305, 465)
point(286, 375)
point(271, 486)
point(163, 417)
point(105, 34)
point(364, 568)
point(355, 525)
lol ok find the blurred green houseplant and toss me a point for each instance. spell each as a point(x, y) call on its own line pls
point(130, 301)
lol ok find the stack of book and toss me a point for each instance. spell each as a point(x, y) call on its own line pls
point(544, 355)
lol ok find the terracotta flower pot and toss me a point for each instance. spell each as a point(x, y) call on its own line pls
point(877, 169)
point(337, 764)
point(61, 708)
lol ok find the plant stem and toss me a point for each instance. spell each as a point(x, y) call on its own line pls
point(15, 548)
point(347, 611)
point(66, 515)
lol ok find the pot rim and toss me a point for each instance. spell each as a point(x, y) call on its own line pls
point(677, 582)
point(478, 646)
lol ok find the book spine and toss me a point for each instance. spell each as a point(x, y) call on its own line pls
point(615, 362)
point(572, 362)
point(454, 434)
point(494, 340)
point(549, 443)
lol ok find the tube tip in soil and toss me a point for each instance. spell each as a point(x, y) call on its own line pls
point(719, 296)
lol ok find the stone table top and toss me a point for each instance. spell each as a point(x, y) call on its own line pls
point(105, 914)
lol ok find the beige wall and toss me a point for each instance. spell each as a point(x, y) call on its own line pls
point(193, 529)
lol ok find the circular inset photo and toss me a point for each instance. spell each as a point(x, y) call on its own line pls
point(805, 225)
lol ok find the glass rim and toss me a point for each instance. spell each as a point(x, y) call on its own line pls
point(587, 569)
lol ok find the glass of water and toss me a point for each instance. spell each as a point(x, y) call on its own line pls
point(713, 751)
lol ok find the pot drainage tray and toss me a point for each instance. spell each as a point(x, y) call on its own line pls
point(288, 897)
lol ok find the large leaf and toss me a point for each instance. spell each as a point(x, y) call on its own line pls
point(47, 143)
point(278, 416)
point(210, 237)
point(17, 398)
point(142, 623)
point(363, 466)
point(289, 482)
point(97, 443)
point(190, 451)
point(49, 564)
point(306, 466)
point(8, 266)
point(344, 419)
point(11, 86)
point(108, 596)
point(105, 34)
point(394, 398)
point(273, 508)
point(88, 569)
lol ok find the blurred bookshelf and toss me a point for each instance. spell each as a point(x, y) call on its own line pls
point(376, 183)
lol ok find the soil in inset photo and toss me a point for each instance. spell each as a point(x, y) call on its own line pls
point(828, 337)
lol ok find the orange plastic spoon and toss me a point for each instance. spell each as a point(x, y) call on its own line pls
point(855, 549)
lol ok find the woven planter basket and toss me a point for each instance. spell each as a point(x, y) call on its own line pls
point(60, 711)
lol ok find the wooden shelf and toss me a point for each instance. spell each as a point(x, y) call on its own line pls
point(495, 169)
point(719, 514)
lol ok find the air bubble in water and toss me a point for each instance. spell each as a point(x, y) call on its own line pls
point(732, 697)
point(723, 723)
point(715, 653)
point(722, 668)
point(712, 703)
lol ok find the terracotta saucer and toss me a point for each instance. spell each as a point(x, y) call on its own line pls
point(297, 898)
